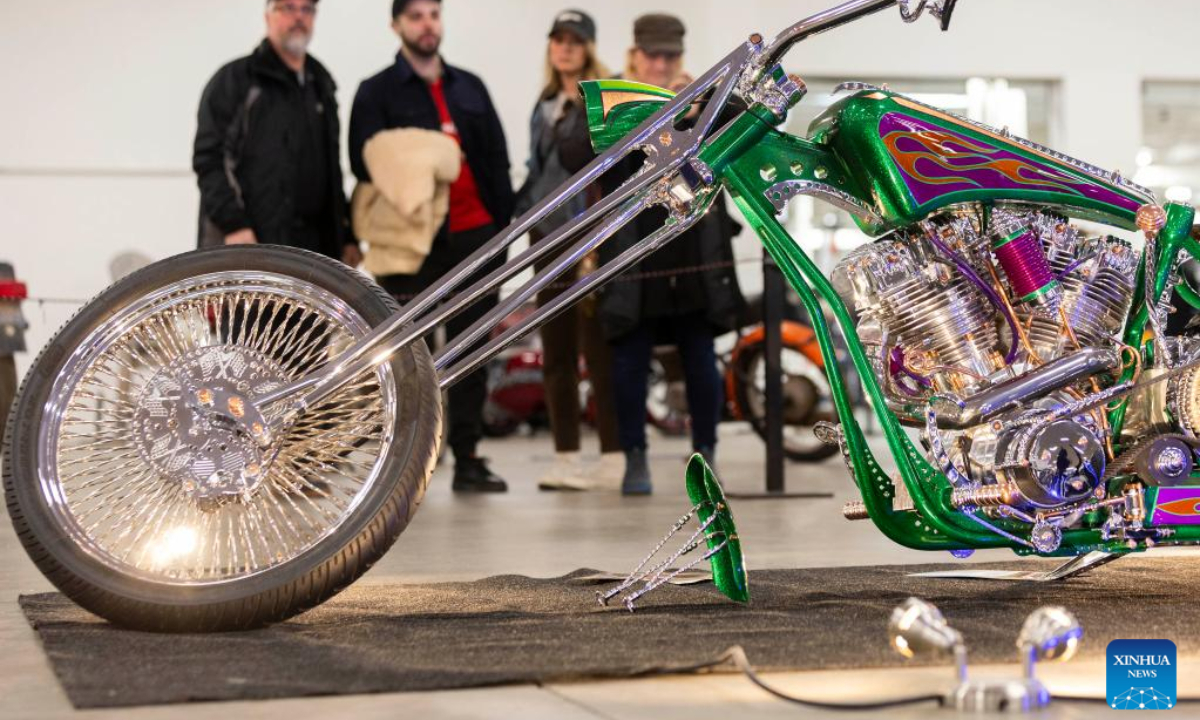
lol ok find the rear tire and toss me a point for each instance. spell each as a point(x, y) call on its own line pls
point(804, 406)
point(219, 595)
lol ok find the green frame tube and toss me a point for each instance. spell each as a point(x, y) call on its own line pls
point(1174, 237)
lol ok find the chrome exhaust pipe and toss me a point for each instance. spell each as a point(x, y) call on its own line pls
point(1011, 394)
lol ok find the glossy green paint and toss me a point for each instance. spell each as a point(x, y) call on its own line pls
point(639, 101)
point(851, 128)
point(708, 497)
point(750, 158)
point(933, 524)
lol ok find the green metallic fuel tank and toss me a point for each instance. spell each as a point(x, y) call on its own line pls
point(913, 159)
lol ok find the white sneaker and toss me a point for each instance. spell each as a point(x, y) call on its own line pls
point(608, 471)
point(565, 474)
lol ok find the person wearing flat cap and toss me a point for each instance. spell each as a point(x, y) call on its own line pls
point(560, 146)
point(656, 57)
point(266, 153)
point(683, 295)
point(420, 90)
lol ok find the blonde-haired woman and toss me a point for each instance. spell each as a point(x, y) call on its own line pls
point(559, 147)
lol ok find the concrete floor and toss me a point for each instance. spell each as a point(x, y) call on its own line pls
point(547, 534)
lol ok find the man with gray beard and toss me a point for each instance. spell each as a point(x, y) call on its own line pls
point(267, 145)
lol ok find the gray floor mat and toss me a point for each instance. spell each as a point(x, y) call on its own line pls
point(512, 629)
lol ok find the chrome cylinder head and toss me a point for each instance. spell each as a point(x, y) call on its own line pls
point(923, 305)
point(1097, 280)
point(949, 322)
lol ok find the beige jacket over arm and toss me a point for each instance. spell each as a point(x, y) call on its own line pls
point(399, 213)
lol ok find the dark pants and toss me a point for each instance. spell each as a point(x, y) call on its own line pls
point(467, 396)
point(692, 334)
point(577, 328)
point(8, 389)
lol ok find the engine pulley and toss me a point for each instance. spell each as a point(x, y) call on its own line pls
point(1166, 461)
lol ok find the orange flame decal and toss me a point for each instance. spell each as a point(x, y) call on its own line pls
point(940, 147)
point(1184, 507)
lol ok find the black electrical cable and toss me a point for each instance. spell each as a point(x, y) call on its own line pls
point(737, 655)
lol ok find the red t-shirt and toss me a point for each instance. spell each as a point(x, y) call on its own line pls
point(466, 209)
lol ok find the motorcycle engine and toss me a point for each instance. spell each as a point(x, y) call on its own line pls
point(979, 326)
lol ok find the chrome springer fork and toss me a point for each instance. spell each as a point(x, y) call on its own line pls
point(667, 149)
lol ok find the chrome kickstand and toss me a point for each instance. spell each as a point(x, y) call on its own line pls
point(1075, 566)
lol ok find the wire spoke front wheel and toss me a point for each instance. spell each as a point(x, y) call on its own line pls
point(155, 487)
point(142, 476)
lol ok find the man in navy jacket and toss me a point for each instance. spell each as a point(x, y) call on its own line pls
point(421, 91)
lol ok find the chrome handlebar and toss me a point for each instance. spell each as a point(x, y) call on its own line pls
point(910, 11)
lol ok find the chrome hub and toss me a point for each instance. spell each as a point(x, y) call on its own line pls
point(197, 424)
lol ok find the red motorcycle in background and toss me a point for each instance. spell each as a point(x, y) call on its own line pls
point(516, 396)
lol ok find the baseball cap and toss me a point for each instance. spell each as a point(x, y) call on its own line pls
point(574, 21)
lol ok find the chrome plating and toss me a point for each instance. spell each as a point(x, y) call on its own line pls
point(87, 493)
point(1097, 280)
point(1039, 382)
point(743, 69)
point(196, 426)
point(672, 148)
point(941, 320)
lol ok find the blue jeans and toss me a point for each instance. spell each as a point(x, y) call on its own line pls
point(692, 334)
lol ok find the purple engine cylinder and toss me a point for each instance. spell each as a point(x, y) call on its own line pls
point(1024, 262)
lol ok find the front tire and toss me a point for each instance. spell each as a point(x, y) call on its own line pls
point(98, 507)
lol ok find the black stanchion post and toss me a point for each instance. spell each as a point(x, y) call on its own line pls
point(773, 345)
point(773, 304)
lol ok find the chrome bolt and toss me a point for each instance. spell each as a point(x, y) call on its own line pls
point(1171, 461)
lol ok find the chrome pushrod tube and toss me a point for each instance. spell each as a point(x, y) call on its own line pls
point(384, 341)
point(561, 302)
point(480, 328)
point(822, 21)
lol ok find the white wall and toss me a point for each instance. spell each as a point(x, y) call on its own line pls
point(100, 95)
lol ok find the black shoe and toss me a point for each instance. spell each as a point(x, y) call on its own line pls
point(473, 475)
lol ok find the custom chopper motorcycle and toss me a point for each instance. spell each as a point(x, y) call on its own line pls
point(230, 436)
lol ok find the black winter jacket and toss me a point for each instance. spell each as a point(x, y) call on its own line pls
point(249, 130)
point(397, 97)
point(676, 285)
point(673, 283)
